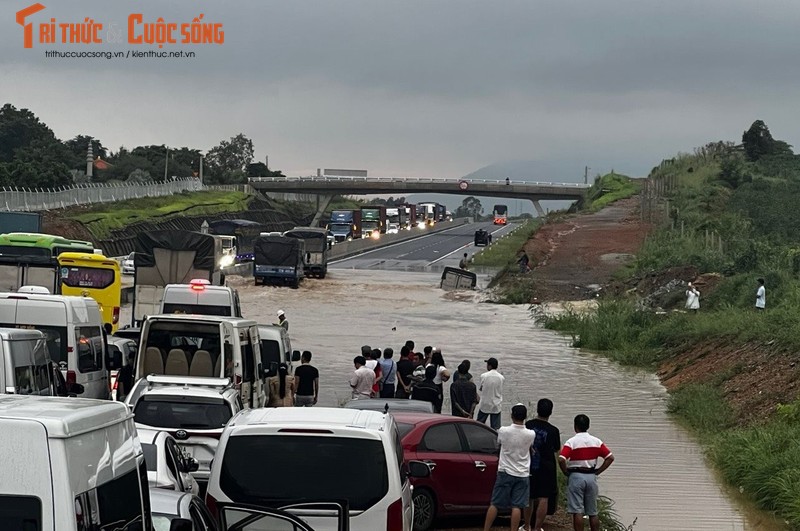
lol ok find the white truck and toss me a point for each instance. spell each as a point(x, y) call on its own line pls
point(200, 297)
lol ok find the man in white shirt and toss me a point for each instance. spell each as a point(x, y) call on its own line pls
point(512, 486)
point(761, 295)
point(362, 380)
point(491, 389)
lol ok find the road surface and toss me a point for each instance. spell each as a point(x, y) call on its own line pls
point(431, 252)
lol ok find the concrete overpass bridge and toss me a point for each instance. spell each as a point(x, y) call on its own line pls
point(325, 187)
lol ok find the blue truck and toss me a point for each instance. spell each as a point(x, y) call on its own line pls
point(278, 260)
point(345, 225)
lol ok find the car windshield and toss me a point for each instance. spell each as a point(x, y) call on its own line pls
point(257, 468)
point(164, 413)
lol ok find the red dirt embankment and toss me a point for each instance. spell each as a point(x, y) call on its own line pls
point(573, 257)
point(580, 254)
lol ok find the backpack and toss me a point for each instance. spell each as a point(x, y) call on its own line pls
point(537, 447)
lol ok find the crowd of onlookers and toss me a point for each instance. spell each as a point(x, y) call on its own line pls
point(530, 452)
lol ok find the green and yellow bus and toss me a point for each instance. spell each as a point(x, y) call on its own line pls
point(41, 245)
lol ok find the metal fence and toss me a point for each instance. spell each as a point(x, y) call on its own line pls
point(13, 199)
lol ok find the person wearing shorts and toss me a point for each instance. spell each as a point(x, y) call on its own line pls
point(512, 486)
point(578, 460)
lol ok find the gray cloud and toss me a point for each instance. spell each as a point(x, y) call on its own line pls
point(429, 87)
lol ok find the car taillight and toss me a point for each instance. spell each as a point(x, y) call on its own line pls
point(211, 503)
point(115, 317)
point(394, 516)
point(71, 380)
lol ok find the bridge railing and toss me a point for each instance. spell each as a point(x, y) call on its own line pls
point(333, 178)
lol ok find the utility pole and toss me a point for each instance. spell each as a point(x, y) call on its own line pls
point(586, 175)
point(201, 169)
point(166, 165)
point(266, 161)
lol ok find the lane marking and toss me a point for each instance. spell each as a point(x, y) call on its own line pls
point(463, 247)
point(399, 243)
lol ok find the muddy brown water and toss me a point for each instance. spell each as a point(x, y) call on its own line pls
point(659, 477)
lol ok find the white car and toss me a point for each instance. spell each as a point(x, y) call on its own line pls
point(168, 466)
point(193, 410)
point(127, 265)
point(295, 444)
point(392, 228)
point(167, 506)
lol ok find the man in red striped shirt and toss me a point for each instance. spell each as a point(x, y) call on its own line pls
point(578, 460)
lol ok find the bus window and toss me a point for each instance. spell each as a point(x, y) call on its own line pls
point(87, 277)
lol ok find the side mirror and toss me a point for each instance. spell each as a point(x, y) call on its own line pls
point(261, 372)
point(296, 355)
point(180, 524)
point(113, 359)
point(418, 469)
point(76, 389)
point(190, 464)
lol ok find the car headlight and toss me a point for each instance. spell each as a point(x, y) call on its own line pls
point(375, 235)
point(226, 261)
point(421, 225)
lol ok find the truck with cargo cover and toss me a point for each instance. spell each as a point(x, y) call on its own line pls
point(315, 241)
point(171, 257)
point(278, 260)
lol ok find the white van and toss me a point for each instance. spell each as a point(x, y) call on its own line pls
point(73, 329)
point(26, 367)
point(200, 297)
point(67, 462)
point(203, 346)
point(275, 455)
point(276, 348)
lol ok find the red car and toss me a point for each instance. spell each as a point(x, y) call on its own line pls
point(463, 456)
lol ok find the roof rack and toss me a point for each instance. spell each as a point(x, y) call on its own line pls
point(220, 384)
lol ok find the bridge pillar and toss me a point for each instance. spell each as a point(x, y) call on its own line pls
point(538, 207)
point(323, 200)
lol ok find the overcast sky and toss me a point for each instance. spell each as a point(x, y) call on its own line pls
point(425, 87)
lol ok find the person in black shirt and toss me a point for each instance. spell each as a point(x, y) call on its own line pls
point(307, 382)
point(125, 377)
point(405, 367)
point(463, 394)
point(427, 390)
point(546, 446)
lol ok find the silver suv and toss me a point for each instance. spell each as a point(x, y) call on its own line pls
point(193, 410)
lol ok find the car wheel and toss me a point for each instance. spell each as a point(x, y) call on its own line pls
point(424, 509)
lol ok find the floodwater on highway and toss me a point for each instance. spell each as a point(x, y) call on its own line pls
point(659, 477)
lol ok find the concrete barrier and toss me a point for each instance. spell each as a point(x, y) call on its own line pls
point(343, 250)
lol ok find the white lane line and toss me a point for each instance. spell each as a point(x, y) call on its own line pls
point(463, 247)
point(398, 243)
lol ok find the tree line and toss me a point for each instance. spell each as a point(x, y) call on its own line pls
point(32, 156)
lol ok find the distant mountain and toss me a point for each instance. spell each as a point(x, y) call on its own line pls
point(532, 170)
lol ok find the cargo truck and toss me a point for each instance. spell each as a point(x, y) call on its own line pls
point(171, 257)
point(426, 214)
point(411, 215)
point(373, 221)
point(316, 249)
point(345, 225)
point(29, 222)
point(278, 260)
